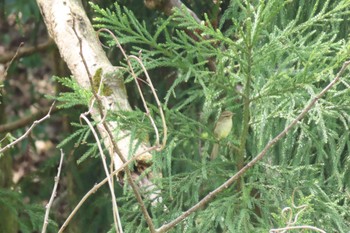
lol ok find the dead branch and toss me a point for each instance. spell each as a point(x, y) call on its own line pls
point(11, 59)
point(25, 51)
point(24, 121)
point(53, 194)
point(2, 150)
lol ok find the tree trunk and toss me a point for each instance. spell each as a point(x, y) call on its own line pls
point(59, 17)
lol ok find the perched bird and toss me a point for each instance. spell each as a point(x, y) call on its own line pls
point(222, 129)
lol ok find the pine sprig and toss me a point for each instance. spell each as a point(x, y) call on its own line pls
point(78, 95)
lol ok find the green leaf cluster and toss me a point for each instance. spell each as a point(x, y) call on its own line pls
point(76, 95)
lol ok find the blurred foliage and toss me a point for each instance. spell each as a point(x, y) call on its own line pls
point(275, 55)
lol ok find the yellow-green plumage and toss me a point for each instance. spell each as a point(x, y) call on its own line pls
point(222, 129)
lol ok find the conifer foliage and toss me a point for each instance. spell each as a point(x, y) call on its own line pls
point(262, 60)
point(271, 58)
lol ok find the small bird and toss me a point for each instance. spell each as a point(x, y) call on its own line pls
point(222, 129)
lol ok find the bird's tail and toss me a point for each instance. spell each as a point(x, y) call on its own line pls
point(215, 151)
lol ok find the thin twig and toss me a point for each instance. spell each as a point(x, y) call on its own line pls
point(111, 166)
point(230, 181)
point(24, 121)
point(290, 221)
point(25, 51)
point(301, 207)
point(110, 181)
point(2, 150)
point(150, 84)
point(148, 113)
point(53, 194)
point(11, 59)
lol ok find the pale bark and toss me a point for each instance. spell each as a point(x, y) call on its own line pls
point(58, 16)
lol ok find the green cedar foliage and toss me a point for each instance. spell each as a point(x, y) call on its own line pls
point(271, 58)
point(28, 217)
point(78, 95)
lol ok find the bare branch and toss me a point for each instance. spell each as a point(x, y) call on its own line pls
point(230, 181)
point(25, 51)
point(11, 59)
point(53, 194)
point(2, 150)
point(24, 121)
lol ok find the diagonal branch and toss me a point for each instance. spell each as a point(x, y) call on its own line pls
point(24, 121)
point(25, 51)
point(35, 123)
